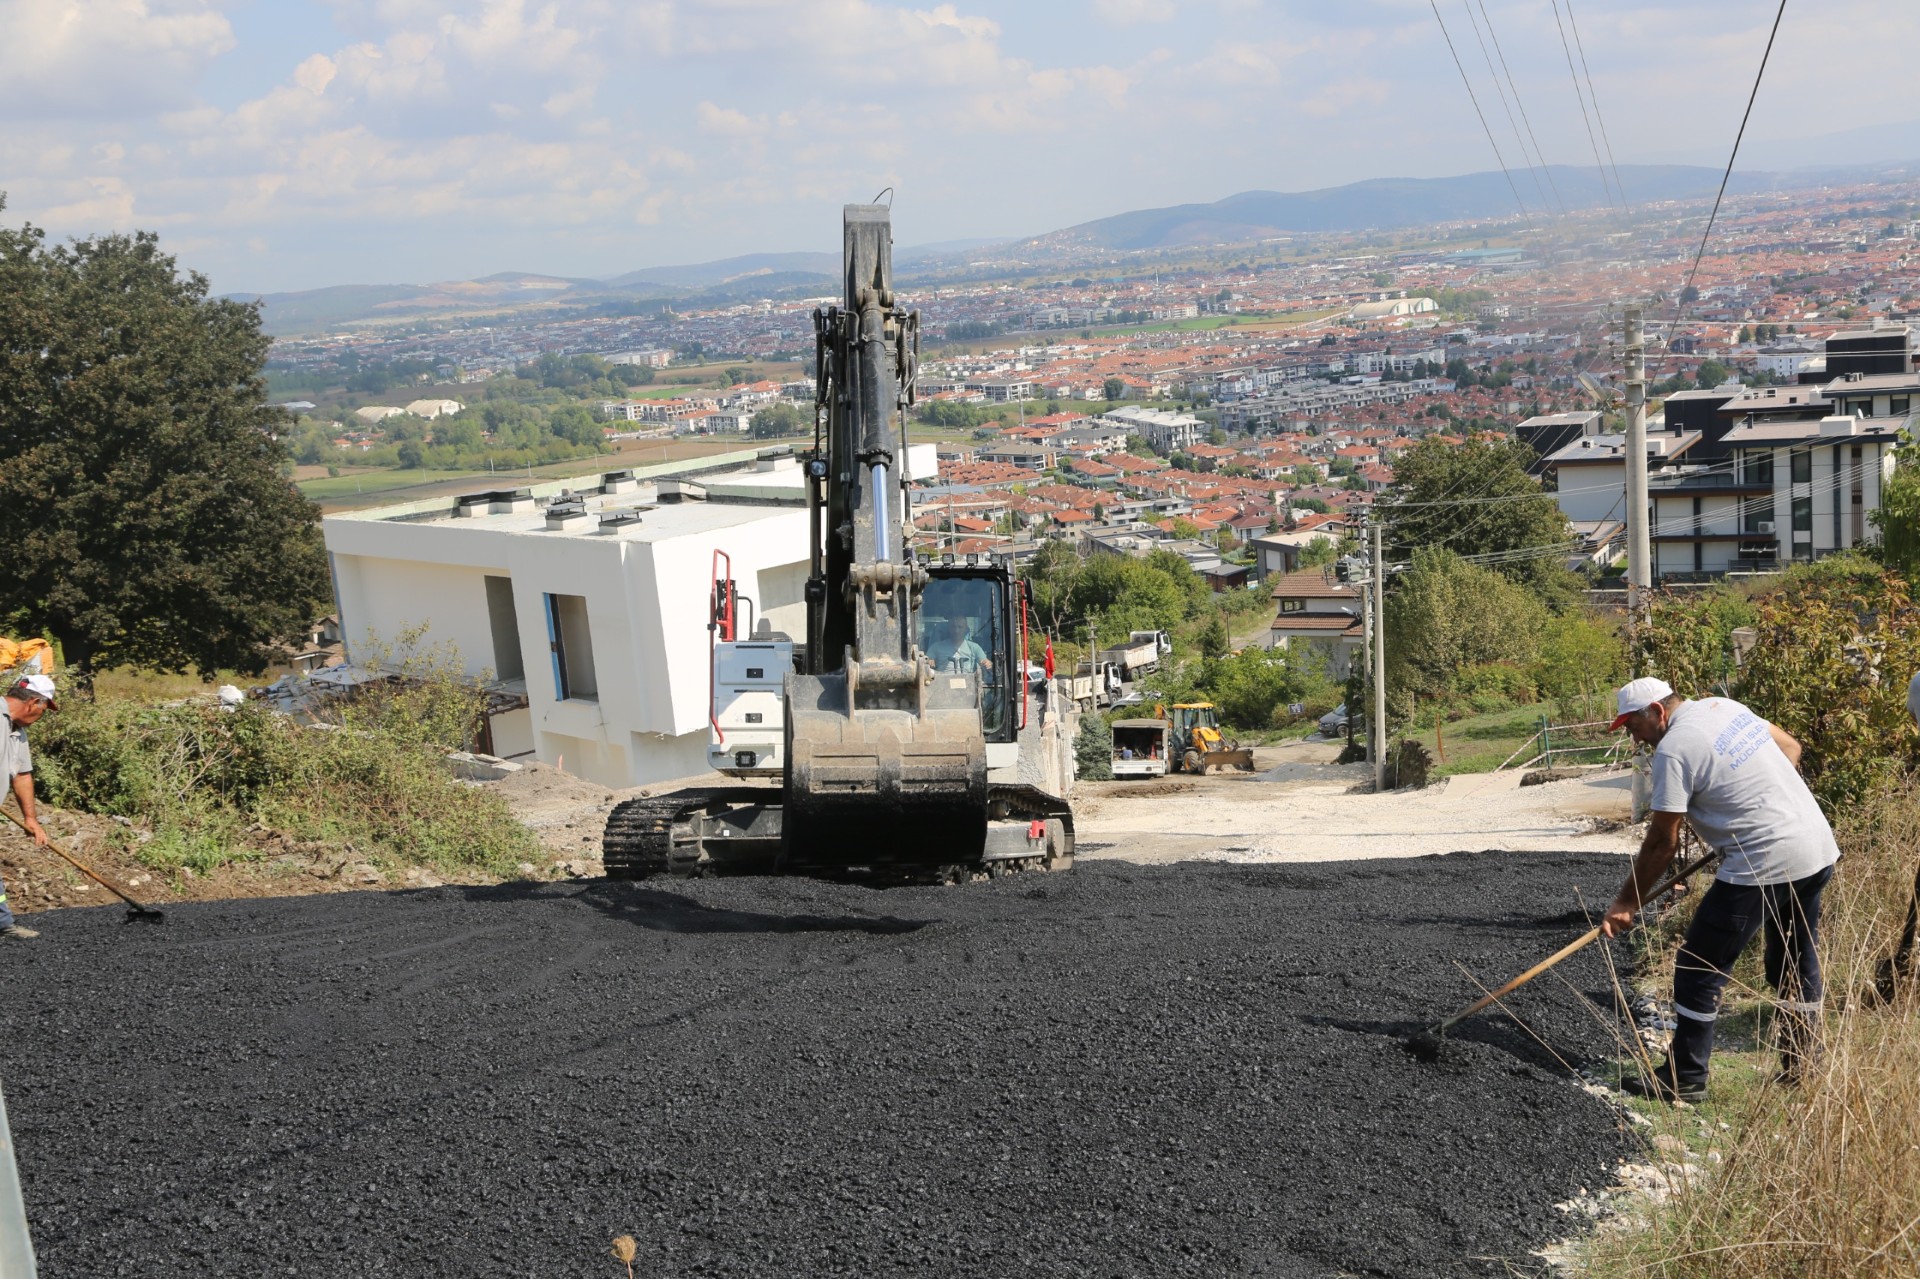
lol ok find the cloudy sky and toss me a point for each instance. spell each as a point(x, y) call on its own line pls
point(282, 144)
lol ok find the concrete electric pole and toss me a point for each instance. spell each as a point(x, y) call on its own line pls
point(1639, 513)
point(1639, 517)
point(1376, 589)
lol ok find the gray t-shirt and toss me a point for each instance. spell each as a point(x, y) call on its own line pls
point(1720, 766)
point(15, 757)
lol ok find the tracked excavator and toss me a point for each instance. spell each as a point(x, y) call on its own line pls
point(893, 728)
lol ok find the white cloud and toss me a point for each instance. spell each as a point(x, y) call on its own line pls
point(104, 58)
point(1127, 12)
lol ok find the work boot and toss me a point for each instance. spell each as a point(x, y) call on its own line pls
point(19, 930)
point(1661, 1085)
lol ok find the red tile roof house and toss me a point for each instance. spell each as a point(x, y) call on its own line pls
point(1317, 616)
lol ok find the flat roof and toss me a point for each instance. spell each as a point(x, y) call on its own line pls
point(1570, 418)
point(1613, 448)
point(1774, 397)
point(1808, 430)
point(1850, 385)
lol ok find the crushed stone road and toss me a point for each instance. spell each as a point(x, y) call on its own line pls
point(1193, 1069)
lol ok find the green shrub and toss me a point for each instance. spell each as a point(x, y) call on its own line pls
point(1093, 749)
point(199, 777)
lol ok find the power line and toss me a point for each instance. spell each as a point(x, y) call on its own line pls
point(1511, 123)
point(1597, 117)
point(1511, 185)
point(1581, 99)
point(1544, 166)
point(1680, 305)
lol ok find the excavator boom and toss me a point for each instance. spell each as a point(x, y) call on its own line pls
point(888, 711)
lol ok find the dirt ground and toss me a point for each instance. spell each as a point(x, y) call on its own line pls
point(1302, 807)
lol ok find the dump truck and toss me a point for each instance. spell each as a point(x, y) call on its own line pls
point(1140, 748)
point(1197, 743)
point(1140, 655)
point(1093, 685)
point(884, 743)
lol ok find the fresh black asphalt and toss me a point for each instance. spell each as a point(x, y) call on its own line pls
point(1118, 1071)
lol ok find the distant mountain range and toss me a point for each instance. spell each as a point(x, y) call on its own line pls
point(1381, 203)
point(1386, 203)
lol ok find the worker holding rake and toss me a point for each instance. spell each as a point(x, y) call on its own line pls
point(26, 701)
point(1735, 779)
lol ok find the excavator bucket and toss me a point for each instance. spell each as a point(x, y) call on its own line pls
point(882, 786)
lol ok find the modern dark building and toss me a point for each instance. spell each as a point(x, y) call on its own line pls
point(1548, 433)
point(1700, 411)
point(1885, 348)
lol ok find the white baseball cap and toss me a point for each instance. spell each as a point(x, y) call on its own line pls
point(40, 686)
point(1637, 695)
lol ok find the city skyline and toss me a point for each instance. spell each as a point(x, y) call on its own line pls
point(280, 147)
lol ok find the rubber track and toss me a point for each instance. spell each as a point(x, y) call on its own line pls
point(638, 842)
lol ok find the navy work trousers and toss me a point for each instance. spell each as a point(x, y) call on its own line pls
point(1726, 920)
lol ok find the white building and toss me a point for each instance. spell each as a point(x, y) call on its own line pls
point(1591, 472)
point(1164, 431)
point(431, 409)
point(593, 609)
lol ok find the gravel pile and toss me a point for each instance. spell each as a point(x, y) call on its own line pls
point(1194, 1069)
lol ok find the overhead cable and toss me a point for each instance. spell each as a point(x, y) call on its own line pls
point(1680, 304)
point(1511, 185)
point(1581, 98)
point(1597, 117)
point(1545, 168)
point(1511, 122)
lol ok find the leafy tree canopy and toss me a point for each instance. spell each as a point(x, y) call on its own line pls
point(1446, 614)
point(141, 488)
point(1477, 499)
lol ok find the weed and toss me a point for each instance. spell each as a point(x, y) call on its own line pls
point(625, 1249)
point(201, 777)
point(1819, 1180)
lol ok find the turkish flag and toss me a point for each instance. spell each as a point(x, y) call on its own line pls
point(1049, 658)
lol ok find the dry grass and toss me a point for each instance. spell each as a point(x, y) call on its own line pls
point(1823, 1181)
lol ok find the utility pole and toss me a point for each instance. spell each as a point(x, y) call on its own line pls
point(1376, 589)
point(1639, 553)
point(1639, 515)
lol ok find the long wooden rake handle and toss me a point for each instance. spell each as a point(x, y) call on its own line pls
point(83, 868)
point(1585, 939)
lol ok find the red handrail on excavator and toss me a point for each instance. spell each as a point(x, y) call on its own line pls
point(720, 626)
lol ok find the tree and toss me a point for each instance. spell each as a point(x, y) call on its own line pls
point(1214, 639)
point(1446, 614)
point(1898, 516)
point(1113, 388)
point(142, 501)
point(1249, 686)
point(777, 420)
point(1319, 553)
point(1477, 499)
point(1713, 373)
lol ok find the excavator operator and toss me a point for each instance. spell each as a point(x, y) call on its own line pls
point(954, 650)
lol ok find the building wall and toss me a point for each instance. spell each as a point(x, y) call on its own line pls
point(646, 612)
point(1593, 490)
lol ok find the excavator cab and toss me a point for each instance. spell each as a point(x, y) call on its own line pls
point(968, 626)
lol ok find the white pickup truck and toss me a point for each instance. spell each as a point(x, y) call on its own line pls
point(1139, 748)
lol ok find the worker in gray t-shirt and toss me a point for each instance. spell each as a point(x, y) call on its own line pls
point(1735, 778)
